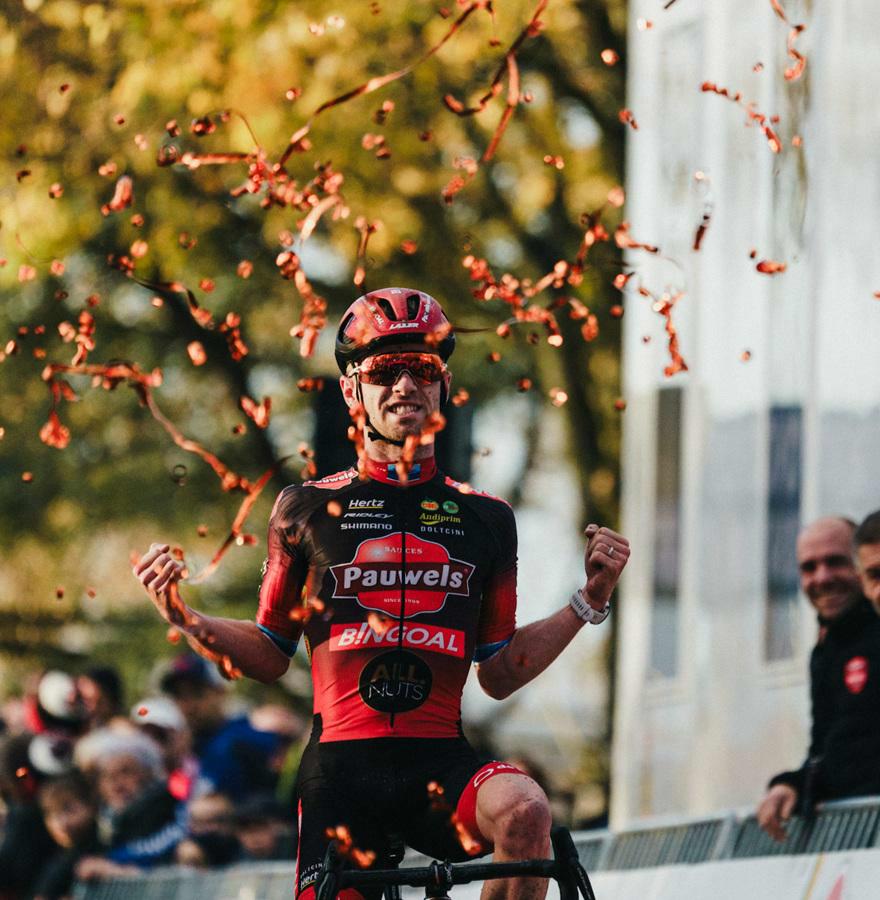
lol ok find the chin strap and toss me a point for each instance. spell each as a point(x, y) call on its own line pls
point(372, 434)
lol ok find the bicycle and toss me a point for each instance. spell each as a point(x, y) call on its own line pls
point(437, 878)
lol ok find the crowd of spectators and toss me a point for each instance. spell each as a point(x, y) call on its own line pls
point(91, 790)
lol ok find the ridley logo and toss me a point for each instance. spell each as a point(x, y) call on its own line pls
point(375, 574)
point(855, 674)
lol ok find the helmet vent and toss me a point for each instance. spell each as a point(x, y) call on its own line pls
point(386, 307)
point(413, 302)
point(343, 328)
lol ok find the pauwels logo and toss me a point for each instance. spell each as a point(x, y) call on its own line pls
point(374, 576)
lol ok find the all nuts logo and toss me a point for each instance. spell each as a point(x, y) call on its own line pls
point(376, 574)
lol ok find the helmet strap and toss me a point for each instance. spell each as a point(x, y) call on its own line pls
point(372, 434)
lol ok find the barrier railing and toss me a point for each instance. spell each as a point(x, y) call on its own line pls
point(840, 825)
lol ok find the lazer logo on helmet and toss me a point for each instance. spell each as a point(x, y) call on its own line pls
point(396, 326)
point(376, 575)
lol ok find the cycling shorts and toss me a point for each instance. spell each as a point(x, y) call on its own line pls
point(420, 790)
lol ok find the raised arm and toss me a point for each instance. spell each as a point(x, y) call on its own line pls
point(533, 647)
point(240, 642)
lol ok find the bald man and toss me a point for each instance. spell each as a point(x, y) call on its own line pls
point(844, 755)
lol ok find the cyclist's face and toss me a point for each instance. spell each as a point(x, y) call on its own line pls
point(402, 407)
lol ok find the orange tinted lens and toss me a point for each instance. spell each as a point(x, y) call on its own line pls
point(386, 368)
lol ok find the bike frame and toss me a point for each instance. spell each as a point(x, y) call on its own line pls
point(439, 877)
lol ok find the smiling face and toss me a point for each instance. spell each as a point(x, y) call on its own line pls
point(827, 570)
point(399, 409)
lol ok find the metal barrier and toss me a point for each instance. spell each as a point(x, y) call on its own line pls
point(840, 825)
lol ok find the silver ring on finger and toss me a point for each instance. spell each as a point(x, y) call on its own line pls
point(611, 551)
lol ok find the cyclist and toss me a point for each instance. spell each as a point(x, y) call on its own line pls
point(398, 581)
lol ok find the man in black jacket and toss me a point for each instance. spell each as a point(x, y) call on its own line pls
point(844, 682)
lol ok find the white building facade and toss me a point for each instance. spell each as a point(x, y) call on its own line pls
point(777, 420)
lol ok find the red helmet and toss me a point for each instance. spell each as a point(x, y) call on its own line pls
point(392, 316)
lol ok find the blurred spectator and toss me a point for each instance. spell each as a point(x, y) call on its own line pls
point(842, 760)
point(26, 843)
point(101, 691)
point(211, 838)
point(293, 733)
point(139, 818)
point(867, 544)
point(55, 705)
point(265, 829)
point(233, 756)
point(208, 851)
point(70, 812)
point(211, 813)
point(161, 719)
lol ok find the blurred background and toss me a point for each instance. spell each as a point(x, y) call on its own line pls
point(703, 378)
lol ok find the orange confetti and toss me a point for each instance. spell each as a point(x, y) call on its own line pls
point(244, 269)
point(620, 404)
point(627, 118)
point(26, 273)
point(123, 196)
point(771, 267)
point(460, 397)
point(558, 397)
point(207, 285)
point(644, 24)
point(258, 412)
point(379, 623)
point(21, 772)
point(524, 384)
point(409, 247)
point(746, 355)
point(334, 508)
point(610, 57)
point(139, 249)
point(59, 593)
point(56, 190)
point(616, 312)
point(27, 477)
point(142, 710)
point(197, 353)
point(557, 162)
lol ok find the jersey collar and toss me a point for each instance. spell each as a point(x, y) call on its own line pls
point(421, 471)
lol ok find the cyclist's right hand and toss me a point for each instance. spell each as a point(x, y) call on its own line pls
point(775, 810)
point(158, 571)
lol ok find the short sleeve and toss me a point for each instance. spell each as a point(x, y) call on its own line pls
point(498, 607)
point(284, 572)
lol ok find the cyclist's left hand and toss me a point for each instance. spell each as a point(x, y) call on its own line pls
point(606, 554)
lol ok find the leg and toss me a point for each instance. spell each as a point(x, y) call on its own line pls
point(514, 814)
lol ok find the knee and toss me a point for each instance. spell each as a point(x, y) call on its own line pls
point(524, 827)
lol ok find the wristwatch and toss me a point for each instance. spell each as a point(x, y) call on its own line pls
point(587, 613)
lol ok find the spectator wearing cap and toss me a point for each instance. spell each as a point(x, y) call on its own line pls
point(100, 688)
point(25, 843)
point(161, 719)
point(233, 756)
point(139, 818)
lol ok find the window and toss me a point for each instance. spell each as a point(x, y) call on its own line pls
point(783, 522)
point(667, 533)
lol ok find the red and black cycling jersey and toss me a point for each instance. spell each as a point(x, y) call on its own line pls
point(396, 588)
